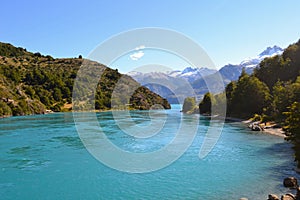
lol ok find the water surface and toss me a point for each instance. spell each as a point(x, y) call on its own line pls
point(42, 157)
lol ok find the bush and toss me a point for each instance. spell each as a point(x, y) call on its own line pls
point(5, 110)
point(189, 104)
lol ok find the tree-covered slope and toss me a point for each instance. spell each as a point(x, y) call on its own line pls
point(271, 93)
point(31, 83)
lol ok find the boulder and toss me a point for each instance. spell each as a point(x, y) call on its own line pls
point(290, 182)
point(298, 194)
point(273, 197)
point(256, 128)
point(288, 197)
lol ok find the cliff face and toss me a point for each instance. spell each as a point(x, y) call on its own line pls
point(31, 83)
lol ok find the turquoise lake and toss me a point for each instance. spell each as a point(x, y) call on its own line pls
point(42, 157)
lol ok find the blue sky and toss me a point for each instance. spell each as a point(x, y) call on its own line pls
point(228, 30)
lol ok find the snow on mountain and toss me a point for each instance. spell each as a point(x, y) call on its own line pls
point(194, 76)
point(269, 52)
point(134, 73)
point(174, 73)
point(232, 72)
point(189, 73)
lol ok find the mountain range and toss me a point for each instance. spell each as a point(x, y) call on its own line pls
point(191, 81)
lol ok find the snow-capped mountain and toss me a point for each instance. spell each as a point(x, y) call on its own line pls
point(232, 72)
point(189, 73)
point(166, 83)
point(269, 52)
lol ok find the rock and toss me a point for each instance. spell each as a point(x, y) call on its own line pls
point(298, 194)
point(290, 182)
point(288, 197)
point(273, 197)
point(243, 198)
point(256, 128)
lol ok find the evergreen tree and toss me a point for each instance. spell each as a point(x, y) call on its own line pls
point(293, 128)
point(249, 97)
point(206, 104)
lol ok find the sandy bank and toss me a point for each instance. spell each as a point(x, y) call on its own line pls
point(274, 131)
point(268, 128)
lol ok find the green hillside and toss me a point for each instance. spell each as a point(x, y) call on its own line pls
point(31, 83)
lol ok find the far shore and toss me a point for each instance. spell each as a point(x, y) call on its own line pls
point(267, 129)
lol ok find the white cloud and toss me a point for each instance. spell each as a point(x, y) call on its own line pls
point(140, 47)
point(137, 55)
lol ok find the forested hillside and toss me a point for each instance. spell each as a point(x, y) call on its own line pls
point(271, 93)
point(31, 83)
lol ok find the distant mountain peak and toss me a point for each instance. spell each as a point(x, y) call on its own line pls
point(189, 69)
point(271, 51)
point(252, 62)
point(194, 75)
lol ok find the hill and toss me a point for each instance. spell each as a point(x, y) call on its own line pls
point(31, 83)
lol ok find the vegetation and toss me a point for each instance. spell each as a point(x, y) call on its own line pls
point(206, 104)
point(272, 92)
point(284, 68)
point(249, 96)
point(189, 105)
point(292, 127)
point(31, 83)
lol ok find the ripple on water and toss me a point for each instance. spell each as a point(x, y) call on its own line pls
point(42, 154)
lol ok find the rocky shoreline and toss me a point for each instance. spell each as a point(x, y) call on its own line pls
point(292, 183)
point(289, 182)
point(268, 128)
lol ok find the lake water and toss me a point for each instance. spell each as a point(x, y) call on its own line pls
point(42, 157)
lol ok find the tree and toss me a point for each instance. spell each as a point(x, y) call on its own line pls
point(292, 128)
point(189, 105)
point(229, 94)
point(270, 70)
point(219, 104)
point(285, 67)
point(282, 98)
point(284, 94)
point(249, 97)
point(57, 95)
point(38, 54)
point(5, 110)
point(206, 104)
point(29, 91)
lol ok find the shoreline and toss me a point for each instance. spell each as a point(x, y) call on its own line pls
point(267, 129)
point(275, 131)
point(70, 111)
